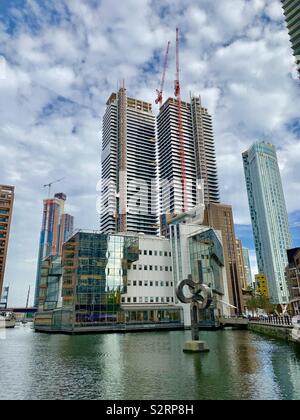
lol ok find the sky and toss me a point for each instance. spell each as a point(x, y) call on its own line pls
point(60, 60)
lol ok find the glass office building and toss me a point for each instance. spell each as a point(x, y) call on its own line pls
point(50, 284)
point(91, 280)
point(198, 251)
point(95, 275)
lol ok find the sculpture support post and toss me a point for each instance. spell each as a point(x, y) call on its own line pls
point(201, 299)
point(194, 322)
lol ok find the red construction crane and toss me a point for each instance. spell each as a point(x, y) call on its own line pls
point(180, 126)
point(159, 99)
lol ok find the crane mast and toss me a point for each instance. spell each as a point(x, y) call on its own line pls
point(180, 126)
point(159, 99)
point(50, 185)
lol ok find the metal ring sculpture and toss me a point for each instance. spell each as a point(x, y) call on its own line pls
point(200, 293)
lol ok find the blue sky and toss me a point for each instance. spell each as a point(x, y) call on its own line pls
point(64, 58)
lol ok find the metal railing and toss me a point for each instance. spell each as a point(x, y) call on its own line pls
point(273, 320)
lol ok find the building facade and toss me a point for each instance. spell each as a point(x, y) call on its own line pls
point(293, 278)
point(247, 266)
point(220, 217)
point(129, 201)
point(261, 285)
point(56, 226)
point(292, 16)
point(120, 281)
point(128, 281)
point(50, 296)
point(4, 298)
point(269, 217)
point(241, 264)
point(66, 228)
point(7, 194)
point(198, 252)
point(200, 159)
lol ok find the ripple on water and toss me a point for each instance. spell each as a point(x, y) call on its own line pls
point(240, 365)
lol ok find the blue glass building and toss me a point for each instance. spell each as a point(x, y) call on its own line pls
point(269, 217)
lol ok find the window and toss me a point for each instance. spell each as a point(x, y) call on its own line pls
point(156, 283)
point(171, 269)
point(140, 283)
point(160, 253)
point(151, 267)
point(134, 283)
point(134, 266)
point(123, 300)
point(161, 268)
point(146, 267)
point(155, 253)
point(170, 254)
point(157, 299)
point(162, 300)
point(146, 283)
point(150, 253)
point(134, 300)
point(168, 300)
point(129, 300)
point(167, 284)
point(146, 300)
point(151, 283)
point(129, 283)
point(162, 284)
point(140, 299)
point(156, 268)
point(152, 300)
point(140, 267)
point(145, 252)
point(171, 284)
point(166, 268)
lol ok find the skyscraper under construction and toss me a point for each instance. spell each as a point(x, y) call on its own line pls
point(56, 229)
point(129, 200)
point(199, 156)
point(292, 16)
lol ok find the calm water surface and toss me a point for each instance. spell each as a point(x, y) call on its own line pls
point(240, 365)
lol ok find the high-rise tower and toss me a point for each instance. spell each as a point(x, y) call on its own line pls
point(292, 16)
point(247, 265)
point(269, 217)
point(199, 151)
point(129, 169)
point(55, 229)
point(6, 208)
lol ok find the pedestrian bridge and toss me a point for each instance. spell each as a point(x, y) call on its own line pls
point(233, 322)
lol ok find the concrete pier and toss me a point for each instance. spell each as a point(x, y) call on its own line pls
point(196, 347)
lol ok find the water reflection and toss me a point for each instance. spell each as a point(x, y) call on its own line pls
point(240, 365)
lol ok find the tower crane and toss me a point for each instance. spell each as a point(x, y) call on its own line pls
point(159, 99)
point(50, 185)
point(180, 126)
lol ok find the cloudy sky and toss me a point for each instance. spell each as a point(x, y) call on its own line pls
point(60, 60)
